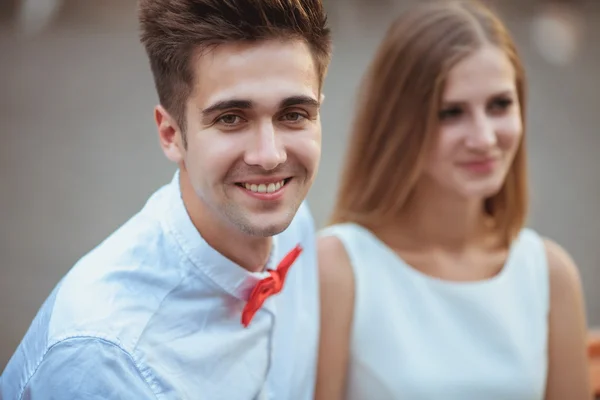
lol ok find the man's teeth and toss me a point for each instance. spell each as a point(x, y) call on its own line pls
point(264, 187)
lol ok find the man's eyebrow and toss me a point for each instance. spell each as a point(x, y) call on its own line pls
point(299, 101)
point(247, 104)
point(227, 104)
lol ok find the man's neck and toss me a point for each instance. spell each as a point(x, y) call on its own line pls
point(250, 253)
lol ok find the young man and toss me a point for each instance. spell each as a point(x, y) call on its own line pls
point(187, 300)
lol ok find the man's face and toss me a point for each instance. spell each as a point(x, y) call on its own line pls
point(253, 134)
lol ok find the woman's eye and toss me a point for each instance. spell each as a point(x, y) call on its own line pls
point(450, 113)
point(500, 104)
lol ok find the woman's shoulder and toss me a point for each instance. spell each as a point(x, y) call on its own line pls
point(564, 274)
point(559, 267)
point(334, 260)
point(560, 264)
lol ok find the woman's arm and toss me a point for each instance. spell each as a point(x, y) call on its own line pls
point(336, 281)
point(568, 374)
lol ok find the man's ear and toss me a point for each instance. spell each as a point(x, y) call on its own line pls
point(169, 135)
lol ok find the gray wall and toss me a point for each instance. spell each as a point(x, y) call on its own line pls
point(79, 152)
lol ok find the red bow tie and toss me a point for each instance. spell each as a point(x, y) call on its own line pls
point(269, 286)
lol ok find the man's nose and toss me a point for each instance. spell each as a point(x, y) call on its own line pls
point(265, 149)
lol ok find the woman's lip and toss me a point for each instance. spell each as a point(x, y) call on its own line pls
point(479, 165)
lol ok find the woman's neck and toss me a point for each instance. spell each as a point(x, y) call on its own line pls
point(435, 217)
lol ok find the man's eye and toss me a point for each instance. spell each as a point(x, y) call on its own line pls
point(293, 117)
point(229, 119)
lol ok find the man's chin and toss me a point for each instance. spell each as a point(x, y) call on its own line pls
point(266, 225)
point(265, 229)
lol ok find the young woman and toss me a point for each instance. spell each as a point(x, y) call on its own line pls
point(431, 287)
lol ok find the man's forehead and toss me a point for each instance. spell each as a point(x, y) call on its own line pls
point(268, 91)
point(228, 66)
point(265, 75)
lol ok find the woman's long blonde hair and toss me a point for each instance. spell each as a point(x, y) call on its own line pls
point(397, 117)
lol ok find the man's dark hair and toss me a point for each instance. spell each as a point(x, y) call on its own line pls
point(173, 31)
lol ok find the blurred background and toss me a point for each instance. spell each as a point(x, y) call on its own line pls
point(79, 153)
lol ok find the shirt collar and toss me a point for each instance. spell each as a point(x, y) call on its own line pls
point(225, 273)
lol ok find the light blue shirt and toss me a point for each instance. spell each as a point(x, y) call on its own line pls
point(154, 312)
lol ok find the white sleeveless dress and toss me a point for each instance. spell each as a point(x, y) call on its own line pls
point(417, 337)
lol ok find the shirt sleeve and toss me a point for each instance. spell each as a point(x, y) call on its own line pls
point(87, 368)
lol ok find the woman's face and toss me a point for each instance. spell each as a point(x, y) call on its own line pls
point(480, 126)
